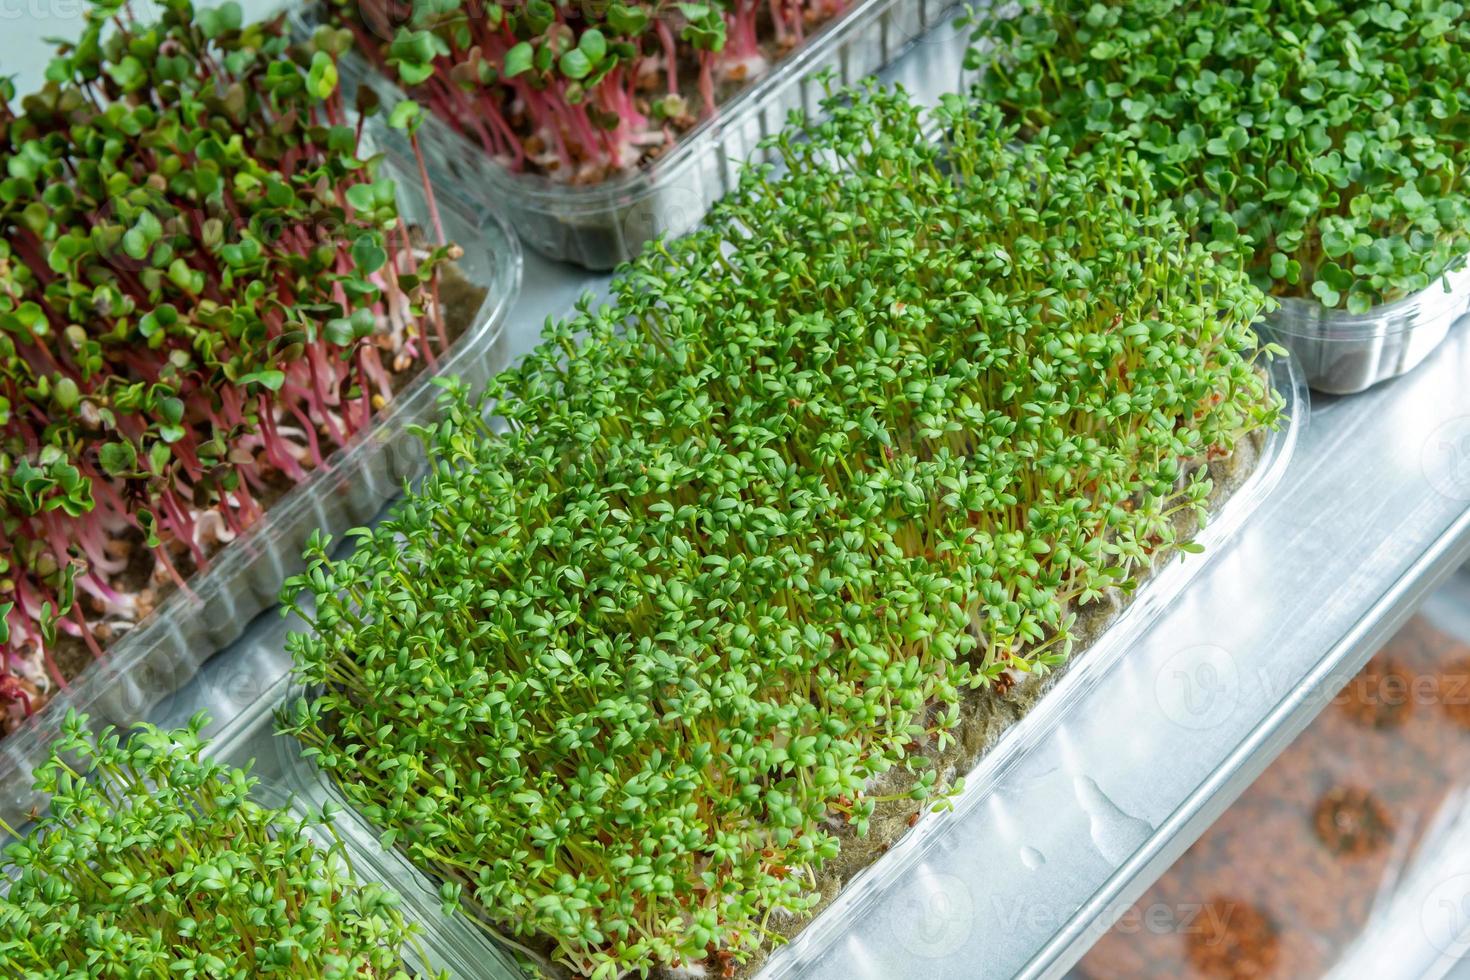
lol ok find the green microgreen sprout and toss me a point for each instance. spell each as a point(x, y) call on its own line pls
point(582, 91)
point(205, 288)
point(1331, 137)
point(154, 861)
point(731, 548)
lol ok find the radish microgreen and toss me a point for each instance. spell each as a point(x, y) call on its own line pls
point(205, 288)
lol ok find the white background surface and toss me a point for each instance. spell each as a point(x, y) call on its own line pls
point(25, 24)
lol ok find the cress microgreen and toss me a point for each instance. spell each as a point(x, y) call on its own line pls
point(736, 543)
point(154, 861)
point(205, 288)
point(581, 91)
point(1331, 137)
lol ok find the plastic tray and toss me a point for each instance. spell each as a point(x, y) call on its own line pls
point(451, 944)
point(1382, 893)
point(887, 876)
point(602, 225)
point(235, 746)
point(1344, 353)
point(158, 656)
point(890, 877)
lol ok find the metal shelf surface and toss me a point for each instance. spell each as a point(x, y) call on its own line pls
point(1373, 513)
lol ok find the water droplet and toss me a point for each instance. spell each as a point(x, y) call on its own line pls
point(1116, 834)
point(1032, 858)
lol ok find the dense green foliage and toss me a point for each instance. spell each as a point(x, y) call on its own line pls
point(1333, 135)
point(204, 287)
point(623, 665)
point(153, 861)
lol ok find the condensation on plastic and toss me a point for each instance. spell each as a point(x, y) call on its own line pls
point(1271, 887)
point(601, 225)
point(1345, 353)
point(281, 758)
point(156, 658)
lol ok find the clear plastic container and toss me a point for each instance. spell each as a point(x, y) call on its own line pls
point(889, 874)
point(158, 656)
point(452, 944)
point(599, 226)
point(889, 877)
point(1344, 353)
point(248, 743)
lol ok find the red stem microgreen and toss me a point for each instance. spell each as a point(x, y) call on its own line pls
point(205, 287)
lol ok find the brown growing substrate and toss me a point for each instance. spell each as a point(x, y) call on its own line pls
point(461, 299)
